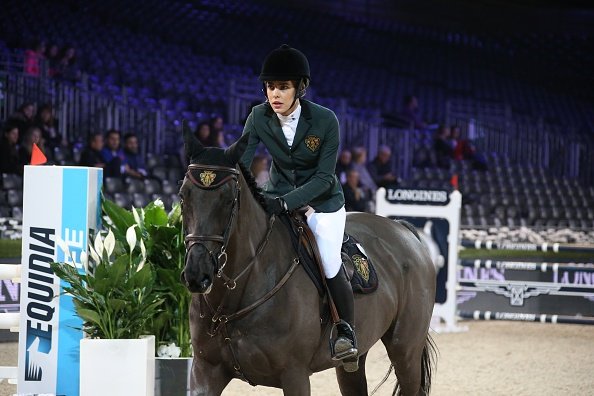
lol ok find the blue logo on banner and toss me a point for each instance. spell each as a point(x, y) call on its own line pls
point(74, 233)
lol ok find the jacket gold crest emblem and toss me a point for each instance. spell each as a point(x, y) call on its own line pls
point(312, 142)
point(207, 177)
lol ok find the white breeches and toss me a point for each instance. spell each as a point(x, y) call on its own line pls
point(328, 229)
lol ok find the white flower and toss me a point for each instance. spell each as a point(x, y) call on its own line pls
point(136, 217)
point(109, 243)
point(94, 255)
point(84, 260)
point(98, 245)
point(142, 249)
point(170, 351)
point(131, 237)
point(63, 246)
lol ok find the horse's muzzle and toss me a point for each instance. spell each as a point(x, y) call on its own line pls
point(196, 284)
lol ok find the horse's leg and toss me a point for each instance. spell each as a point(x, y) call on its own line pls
point(295, 382)
point(207, 379)
point(354, 383)
point(404, 343)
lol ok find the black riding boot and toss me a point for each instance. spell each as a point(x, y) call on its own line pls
point(345, 345)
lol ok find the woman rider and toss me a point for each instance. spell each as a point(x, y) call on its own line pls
point(303, 138)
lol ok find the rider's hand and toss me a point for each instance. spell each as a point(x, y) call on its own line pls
point(275, 206)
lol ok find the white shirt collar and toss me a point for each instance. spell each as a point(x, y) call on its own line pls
point(291, 118)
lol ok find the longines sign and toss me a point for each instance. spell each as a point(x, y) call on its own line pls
point(408, 196)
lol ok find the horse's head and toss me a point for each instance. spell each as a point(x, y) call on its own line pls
point(210, 199)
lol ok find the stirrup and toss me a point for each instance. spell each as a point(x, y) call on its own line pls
point(344, 347)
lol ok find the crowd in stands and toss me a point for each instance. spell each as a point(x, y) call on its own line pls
point(60, 62)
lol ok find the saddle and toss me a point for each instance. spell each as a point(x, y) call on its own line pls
point(360, 271)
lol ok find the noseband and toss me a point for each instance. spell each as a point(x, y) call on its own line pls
point(208, 176)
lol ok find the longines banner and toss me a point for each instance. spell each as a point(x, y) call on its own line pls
point(409, 196)
point(58, 202)
point(436, 214)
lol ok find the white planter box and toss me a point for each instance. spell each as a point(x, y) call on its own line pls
point(117, 367)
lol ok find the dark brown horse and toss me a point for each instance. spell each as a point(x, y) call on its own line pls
point(255, 314)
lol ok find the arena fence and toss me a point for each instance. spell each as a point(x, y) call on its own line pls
point(547, 292)
point(81, 111)
point(9, 273)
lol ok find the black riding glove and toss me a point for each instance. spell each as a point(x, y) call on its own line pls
point(275, 206)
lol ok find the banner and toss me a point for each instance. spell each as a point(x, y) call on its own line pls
point(58, 202)
point(436, 213)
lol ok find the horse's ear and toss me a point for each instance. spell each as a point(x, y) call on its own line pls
point(236, 150)
point(193, 146)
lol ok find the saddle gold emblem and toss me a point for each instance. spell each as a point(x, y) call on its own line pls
point(207, 177)
point(361, 266)
point(312, 142)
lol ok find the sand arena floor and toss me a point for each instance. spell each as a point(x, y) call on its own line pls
point(492, 358)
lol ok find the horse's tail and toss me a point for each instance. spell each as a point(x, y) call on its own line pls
point(428, 361)
point(410, 227)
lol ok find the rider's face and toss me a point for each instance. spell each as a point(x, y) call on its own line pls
point(280, 95)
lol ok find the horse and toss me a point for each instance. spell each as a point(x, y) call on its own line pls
point(257, 316)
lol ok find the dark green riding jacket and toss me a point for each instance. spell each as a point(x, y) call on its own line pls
point(304, 173)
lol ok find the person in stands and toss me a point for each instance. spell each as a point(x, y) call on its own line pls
point(355, 196)
point(112, 154)
point(134, 162)
point(91, 154)
point(9, 153)
point(382, 169)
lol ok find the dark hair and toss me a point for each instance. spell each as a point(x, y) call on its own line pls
point(9, 126)
point(111, 132)
point(93, 135)
point(130, 135)
point(408, 99)
point(26, 104)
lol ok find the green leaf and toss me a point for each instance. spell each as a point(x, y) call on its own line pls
point(155, 215)
point(175, 215)
point(89, 316)
point(116, 304)
point(121, 218)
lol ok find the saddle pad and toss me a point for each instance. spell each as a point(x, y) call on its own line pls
point(360, 271)
point(364, 277)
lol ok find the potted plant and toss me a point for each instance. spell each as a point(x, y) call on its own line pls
point(162, 235)
point(114, 295)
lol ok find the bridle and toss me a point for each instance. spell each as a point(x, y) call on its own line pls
point(208, 181)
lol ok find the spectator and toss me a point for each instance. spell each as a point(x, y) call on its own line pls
point(260, 169)
point(33, 59)
point(360, 165)
point(203, 134)
point(411, 113)
point(112, 155)
point(32, 136)
point(356, 199)
point(343, 165)
point(23, 118)
point(9, 153)
point(217, 132)
point(382, 169)
point(91, 155)
point(464, 149)
point(67, 68)
point(133, 163)
point(46, 121)
point(53, 59)
point(442, 147)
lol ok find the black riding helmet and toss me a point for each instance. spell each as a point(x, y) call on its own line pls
point(284, 64)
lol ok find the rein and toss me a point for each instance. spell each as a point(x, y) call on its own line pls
point(220, 320)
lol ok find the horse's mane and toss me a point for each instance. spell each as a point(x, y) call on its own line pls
point(251, 182)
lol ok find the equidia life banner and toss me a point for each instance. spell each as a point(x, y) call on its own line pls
point(59, 202)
